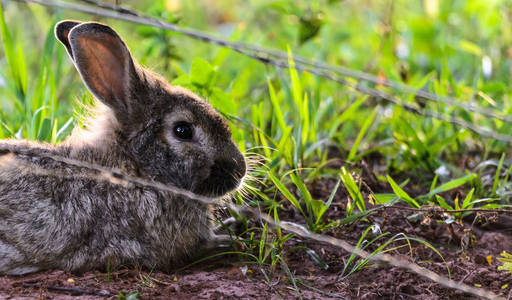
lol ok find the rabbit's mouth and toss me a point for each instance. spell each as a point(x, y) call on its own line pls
point(225, 176)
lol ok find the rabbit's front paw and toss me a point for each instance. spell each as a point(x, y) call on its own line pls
point(222, 242)
point(228, 225)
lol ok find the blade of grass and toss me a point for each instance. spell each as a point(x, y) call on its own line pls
point(362, 132)
point(353, 189)
point(277, 109)
point(401, 193)
point(450, 185)
point(306, 195)
point(497, 175)
point(328, 203)
point(292, 278)
point(287, 194)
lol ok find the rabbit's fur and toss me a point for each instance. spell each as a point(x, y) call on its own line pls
point(70, 221)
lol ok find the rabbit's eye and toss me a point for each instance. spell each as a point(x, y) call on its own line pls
point(183, 131)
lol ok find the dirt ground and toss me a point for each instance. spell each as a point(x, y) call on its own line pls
point(469, 249)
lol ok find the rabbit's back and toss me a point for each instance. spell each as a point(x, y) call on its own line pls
point(71, 219)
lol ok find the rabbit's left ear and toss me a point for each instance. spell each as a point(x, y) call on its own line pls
point(104, 63)
point(62, 30)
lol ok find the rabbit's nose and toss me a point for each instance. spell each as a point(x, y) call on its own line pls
point(231, 169)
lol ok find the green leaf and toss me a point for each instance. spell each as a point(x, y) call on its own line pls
point(450, 185)
point(350, 112)
point(506, 259)
point(497, 174)
point(434, 182)
point(432, 248)
point(358, 246)
point(470, 47)
point(327, 204)
point(401, 193)
point(65, 130)
point(304, 113)
point(291, 277)
point(287, 194)
point(306, 195)
point(223, 101)
point(201, 72)
point(466, 204)
point(309, 27)
point(262, 242)
point(368, 122)
point(295, 81)
point(443, 203)
point(240, 85)
point(45, 130)
point(383, 198)
point(352, 189)
point(182, 80)
point(317, 207)
point(277, 109)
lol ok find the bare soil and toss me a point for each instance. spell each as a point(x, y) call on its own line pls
point(469, 250)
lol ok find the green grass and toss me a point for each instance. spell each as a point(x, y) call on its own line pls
point(292, 120)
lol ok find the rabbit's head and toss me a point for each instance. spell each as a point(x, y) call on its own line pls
point(169, 133)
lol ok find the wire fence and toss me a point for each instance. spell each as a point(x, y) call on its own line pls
point(278, 59)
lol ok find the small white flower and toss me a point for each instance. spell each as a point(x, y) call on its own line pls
point(486, 66)
point(443, 173)
point(402, 50)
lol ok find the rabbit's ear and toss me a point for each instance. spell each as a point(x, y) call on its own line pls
point(104, 63)
point(62, 30)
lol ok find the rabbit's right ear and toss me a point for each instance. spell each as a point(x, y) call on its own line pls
point(104, 63)
point(62, 30)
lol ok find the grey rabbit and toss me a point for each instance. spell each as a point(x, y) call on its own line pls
point(144, 127)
